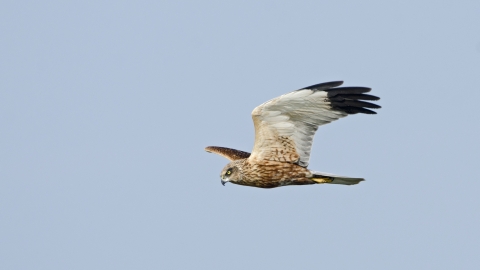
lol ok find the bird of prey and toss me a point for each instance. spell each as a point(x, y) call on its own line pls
point(284, 131)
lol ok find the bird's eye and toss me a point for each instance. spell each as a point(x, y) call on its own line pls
point(229, 172)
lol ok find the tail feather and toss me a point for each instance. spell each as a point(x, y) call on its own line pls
point(321, 177)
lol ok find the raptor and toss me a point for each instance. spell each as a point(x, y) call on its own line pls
point(284, 131)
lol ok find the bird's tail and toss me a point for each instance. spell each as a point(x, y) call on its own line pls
point(327, 178)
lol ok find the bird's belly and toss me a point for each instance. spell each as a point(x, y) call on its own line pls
point(276, 174)
point(272, 183)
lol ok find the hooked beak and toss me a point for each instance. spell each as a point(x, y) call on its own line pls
point(223, 179)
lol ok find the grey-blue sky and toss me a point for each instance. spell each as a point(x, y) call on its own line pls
point(106, 107)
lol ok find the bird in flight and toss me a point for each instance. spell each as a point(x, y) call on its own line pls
point(284, 131)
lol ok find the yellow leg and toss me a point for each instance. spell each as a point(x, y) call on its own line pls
point(323, 180)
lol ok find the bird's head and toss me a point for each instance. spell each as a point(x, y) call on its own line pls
point(231, 173)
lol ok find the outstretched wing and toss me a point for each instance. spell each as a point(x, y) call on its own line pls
point(228, 153)
point(285, 126)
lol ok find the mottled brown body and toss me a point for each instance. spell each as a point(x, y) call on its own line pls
point(270, 174)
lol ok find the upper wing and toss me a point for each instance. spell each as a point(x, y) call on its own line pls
point(228, 153)
point(285, 126)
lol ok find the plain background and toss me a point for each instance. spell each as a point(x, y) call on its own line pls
point(106, 106)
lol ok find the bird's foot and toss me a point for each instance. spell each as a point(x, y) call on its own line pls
point(323, 180)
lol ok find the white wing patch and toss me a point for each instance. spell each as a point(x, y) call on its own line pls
point(285, 126)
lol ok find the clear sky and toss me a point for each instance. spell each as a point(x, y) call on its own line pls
point(106, 106)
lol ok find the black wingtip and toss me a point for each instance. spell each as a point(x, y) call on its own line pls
point(350, 100)
point(353, 103)
point(360, 97)
point(347, 99)
point(354, 110)
point(348, 90)
point(323, 86)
